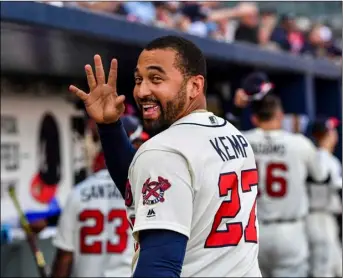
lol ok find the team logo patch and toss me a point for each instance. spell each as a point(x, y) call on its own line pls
point(153, 191)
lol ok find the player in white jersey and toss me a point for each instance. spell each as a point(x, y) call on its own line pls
point(325, 246)
point(93, 232)
point(93, 236)
point(209, 196)
point(193, 186)
point(284, 160)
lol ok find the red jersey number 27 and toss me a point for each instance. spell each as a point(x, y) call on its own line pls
point(233, 233)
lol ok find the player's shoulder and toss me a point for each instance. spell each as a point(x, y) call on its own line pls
point(300, 139)
point(296, 141)
point(155, 145)
point(251, 132)
point(255, 135)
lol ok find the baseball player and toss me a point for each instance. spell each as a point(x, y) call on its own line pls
point(325, 246)
point(192, 187)
point(93, 236)
point(284, 161)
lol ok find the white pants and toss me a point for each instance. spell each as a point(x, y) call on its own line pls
point(325, 247)
point(283, 249)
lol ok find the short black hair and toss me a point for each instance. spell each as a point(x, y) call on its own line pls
point(190, 59)
point(265, 108)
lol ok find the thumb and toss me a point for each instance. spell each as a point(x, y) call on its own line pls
point(114, 109)
point(119, 102)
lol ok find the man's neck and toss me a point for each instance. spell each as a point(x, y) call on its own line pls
point(195, 106)
point(199, 111)
point(270, 126)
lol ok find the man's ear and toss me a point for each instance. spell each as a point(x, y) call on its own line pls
point(196, 85)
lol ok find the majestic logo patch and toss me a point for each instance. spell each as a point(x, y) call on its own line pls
point(151, 213)
point(153, 191)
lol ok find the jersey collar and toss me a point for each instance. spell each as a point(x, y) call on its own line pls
point(198, 117)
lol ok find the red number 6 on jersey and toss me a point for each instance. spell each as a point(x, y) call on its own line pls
point(271, 180)
point(229, 209)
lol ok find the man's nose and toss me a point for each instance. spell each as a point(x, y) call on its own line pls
point(143, 90)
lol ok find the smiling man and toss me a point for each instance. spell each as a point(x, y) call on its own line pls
point(191, 189)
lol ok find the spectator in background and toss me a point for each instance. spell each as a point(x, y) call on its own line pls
point(163, 15)
point(248, 28)
point(287, 36)
point(173, 9)
point(143, 12)
point(173, 6)
point(268, 20)
point(194, 17)
point(240, 23)
point(320, 43)
point(210, 19)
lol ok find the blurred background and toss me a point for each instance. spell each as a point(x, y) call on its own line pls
point(45, 45)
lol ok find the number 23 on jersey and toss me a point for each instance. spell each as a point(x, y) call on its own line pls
point(96, 246)
point(229, 209)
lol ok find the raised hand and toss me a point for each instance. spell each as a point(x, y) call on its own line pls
point(102, 102)
point(241, 99)
point(329, 141)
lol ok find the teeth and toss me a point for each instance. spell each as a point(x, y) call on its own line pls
point(146, 106)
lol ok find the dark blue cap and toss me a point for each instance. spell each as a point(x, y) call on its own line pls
point(256, 85)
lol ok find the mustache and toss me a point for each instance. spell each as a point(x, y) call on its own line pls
point(147, 100)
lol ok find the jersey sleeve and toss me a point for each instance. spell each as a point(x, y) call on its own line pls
point(162, 191)
point(66, 226)
point(316, 160)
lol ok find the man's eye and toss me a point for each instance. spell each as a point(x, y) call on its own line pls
point(156, 79)
point(138, 80)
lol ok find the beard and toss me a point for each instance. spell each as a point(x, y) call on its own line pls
point(169, 113)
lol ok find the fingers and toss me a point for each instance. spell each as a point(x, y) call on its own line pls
point(240, 99)
point(81, 94)
point(112, 76)
point(113, 111)
point(90, 77)
point(99, 70)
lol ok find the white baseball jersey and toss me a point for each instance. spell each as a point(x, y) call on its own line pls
point(284, 161)
point(94, 226)
point(199, 178)
point(323, 195)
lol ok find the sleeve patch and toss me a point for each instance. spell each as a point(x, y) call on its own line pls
point(153, 191)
